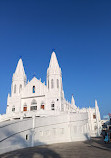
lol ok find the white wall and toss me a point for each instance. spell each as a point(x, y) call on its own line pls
point(42, 130)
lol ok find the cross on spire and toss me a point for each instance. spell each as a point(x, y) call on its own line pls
point(53, 50)
point(20, 56)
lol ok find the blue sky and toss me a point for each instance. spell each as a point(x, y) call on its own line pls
point(79, 31)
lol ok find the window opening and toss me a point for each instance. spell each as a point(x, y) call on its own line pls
point(52, 106)
point(33, 108)
point(13, 109)
point(33, 89)
point(52, 83)
point(94, 116)
point(57, 83)
point(33, 105)
point(15, 88)
point(42, 106)
point(25, 108)
point(27, 137)
point(20, 88)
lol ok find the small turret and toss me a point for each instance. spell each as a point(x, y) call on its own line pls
point(73, 103)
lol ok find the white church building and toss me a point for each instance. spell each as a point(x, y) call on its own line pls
point(39, 114)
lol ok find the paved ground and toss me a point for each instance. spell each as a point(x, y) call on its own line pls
point(95, 148)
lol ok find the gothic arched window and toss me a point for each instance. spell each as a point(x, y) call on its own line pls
point(52, 83)
point(25, 107)
point(94, 116)
point(13, 108)
point(15, 88)
point(42, 105)
point(57, 83)
point(33, 89)
point(20, 88)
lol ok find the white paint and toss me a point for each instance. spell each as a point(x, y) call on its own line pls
point(59, 119)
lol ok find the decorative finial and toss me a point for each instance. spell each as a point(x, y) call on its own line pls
point(53, 50)
point(20, 57)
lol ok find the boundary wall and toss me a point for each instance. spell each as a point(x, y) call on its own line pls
point(29, 132)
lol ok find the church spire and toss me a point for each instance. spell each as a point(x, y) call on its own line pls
point(53, 65)
point(19, 79)
point(53, 61)
point(20, 68)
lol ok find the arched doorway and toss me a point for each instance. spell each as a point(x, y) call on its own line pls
point(33, 105)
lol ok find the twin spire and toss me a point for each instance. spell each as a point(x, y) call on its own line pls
point(53, 65)
point(20, 69)
point(53, 61)
point(19, 72)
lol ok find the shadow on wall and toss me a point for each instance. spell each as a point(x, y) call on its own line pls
point(29, 152)
point(12, 138)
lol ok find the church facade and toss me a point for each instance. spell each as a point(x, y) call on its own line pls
point(46, 110)
point(35, 95)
